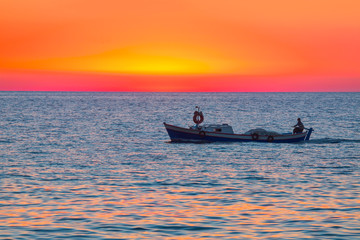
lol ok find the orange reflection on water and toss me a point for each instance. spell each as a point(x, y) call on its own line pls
point(171, 209)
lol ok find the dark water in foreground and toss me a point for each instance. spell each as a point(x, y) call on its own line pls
point(99, 166)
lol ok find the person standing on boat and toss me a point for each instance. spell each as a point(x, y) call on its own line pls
point(299, 127)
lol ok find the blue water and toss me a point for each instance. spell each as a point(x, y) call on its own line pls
point(100, 166)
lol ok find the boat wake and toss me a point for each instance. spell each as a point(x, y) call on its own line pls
point(333, 140)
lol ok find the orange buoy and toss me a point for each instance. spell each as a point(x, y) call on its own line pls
point(198, 117)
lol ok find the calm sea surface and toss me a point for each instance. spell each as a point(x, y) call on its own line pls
point(100, 166)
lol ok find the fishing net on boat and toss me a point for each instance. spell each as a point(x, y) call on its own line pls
point(261, 131)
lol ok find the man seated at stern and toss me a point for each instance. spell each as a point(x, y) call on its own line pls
point(299, 127)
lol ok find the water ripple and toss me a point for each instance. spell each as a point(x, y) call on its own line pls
point(81, 166)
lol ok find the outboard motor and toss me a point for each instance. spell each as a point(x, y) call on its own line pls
point(307, 138)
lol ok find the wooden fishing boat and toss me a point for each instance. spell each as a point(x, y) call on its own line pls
point(225, 133)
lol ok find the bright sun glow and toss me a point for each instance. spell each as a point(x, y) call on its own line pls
point(153, 65)
point(151, 59)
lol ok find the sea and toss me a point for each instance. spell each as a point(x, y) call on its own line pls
point(94, 165)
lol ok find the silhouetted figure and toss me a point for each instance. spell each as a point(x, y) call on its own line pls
point(299, 127)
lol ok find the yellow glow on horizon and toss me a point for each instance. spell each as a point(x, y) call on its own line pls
point(150, 59)
point(161, 65)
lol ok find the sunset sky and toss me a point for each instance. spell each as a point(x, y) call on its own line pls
point(187, 45)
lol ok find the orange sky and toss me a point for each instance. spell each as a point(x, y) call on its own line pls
point(187, 45)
